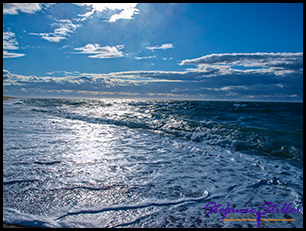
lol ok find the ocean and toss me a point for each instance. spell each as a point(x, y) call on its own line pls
point(151, 163)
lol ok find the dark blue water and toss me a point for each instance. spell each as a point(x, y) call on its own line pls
point(148, 163)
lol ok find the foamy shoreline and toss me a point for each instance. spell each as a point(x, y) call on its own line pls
point(4, 224)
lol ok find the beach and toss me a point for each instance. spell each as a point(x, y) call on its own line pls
point(6, 225)
point(14, 226)
point(9, 225)
point(86, 163)
point(8, 97)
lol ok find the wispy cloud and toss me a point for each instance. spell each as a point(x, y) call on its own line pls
point(10, 43)
point(161, 47)
point(63, 73)
point(100, 52)
point(146, 57)
point(64, 28)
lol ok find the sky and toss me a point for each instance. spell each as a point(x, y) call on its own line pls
point(200, 51)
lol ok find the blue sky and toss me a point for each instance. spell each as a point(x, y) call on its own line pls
point(188, 51)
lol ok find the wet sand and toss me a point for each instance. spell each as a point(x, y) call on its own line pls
point(13, 226)
point(8, 97)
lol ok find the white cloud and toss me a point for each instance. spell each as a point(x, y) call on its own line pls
point(63, 73)
point(126, 13)
point(100, 52)
point(7, 54)
point(146, 57)
point(7, 74)
point(234, 85)
point(10, 43)
point(260, 64)
point(64, 28)
point(227, 88)
point(162, 47)
point(127, 10)
point(15, 8)
point(259, 59)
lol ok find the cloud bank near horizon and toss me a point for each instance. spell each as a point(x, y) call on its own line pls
point(277, 76)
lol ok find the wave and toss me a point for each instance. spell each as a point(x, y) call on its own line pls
point(260, 128)
point(30, 220)
point(240, 105)
point(134, 206)
point(47, 163)
point(19, 181)
point(116, 163)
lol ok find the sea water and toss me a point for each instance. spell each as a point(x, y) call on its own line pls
point(149, 163)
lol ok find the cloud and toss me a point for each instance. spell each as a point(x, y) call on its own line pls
point(10, 43)
point(68, 85)
point(207, 81)
point(64, 28)
point(15, 8)
point(7, 54)
point(285, 61)
point(116, 10)
point(100, 52)
point(126, 13)
point(146, 57)
point(63, 73)
point(227, 88)
point(162, 47)
point(7, 74)
point(126, 10)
